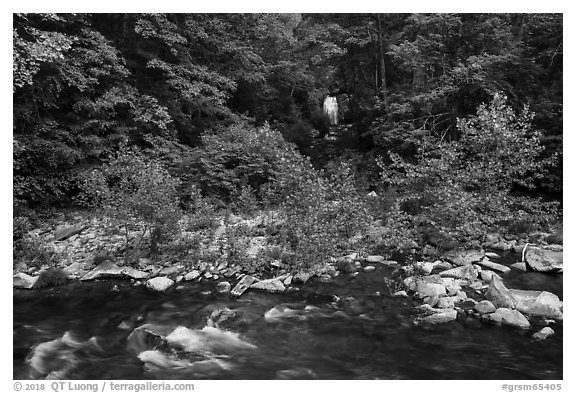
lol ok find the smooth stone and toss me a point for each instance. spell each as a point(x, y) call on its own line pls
point(429, 286)
point(270, 285)
point(485, 307)
point(171, 270)
point(159, 284)
point(538, 303)
point(401, 293)
point(375, 259)
point(509, 317)
point(544, 260)
point(543, 333)
point(492, 255)
point(369, 269)
point(130, 272)
point(503, 246)
point(445, 302)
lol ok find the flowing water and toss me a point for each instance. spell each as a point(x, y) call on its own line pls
point(82, 331)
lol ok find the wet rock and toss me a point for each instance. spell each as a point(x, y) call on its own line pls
point(159, 284)
point(543, 260)
point(194, 274)
point(509, 317)
point(369, 269)
point(485, 307)
point(65, 233)
point(270, 285)
point(538, 303)
point(519, 266)
point(487, 275)
point(242, 285)
point(492, 255)
point(106, 269)
point(499, 295)
point(443, 316)
point(466, 257)
point(23, 281)
point(493, 265)
point(543, 333)
point(147, 337)
point(442, 265)
point(467, 272)
point(223, 287)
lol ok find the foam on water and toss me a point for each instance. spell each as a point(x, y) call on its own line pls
point(207, 340)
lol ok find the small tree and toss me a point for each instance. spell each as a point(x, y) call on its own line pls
point(465, 187)
point(136, 190)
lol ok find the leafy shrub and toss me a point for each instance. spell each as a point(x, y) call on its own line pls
point(134, 190)
point(464, 188)
point(51, 277)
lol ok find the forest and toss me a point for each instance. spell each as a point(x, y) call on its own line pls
point(367, 168)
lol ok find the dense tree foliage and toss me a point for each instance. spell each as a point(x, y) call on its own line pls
point(205, 95)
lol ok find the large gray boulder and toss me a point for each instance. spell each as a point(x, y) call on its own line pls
point(544, 260)
point(543, 333)
point(159, 284)
point(485, 307)
point(538, 303)
point(148, 337)
point(505, 316)
point(23, 281)
point(466, 257)
point(499, 295)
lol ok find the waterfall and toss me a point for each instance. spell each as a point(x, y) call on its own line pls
point(331, 109)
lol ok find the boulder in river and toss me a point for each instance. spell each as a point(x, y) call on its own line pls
point(375, 259)
point(519, 266)
point(443, 316)
point(147, 337)
point(24, 281)
point(543, 260)
point(543, 333)
point(159, 284)
point(466, 257)
point(509, 317)
point(242, 285)
point(538, 303)
point(499, 295)
point(194, 274)
point(223, 287)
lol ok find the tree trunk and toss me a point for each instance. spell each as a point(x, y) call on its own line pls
point(383, 91)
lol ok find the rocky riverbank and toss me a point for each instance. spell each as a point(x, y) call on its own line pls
point(465, 284)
